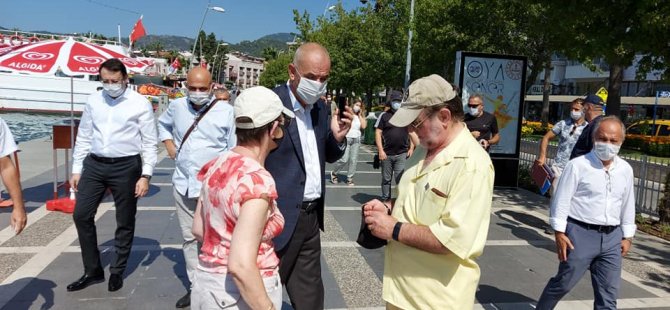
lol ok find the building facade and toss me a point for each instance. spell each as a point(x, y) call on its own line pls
point(243, 70)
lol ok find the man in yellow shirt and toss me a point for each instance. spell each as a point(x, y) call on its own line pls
point(440, 220)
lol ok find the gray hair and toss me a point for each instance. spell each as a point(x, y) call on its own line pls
point(481, 98)
point(612, 118)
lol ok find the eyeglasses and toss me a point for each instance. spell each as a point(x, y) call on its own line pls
point(417, 122)
point(574, 127)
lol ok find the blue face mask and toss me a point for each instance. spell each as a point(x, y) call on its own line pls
point(395, 105)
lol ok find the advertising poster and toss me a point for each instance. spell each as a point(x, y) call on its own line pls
point(500, 80)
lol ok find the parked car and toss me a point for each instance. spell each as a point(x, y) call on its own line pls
point(660, 132)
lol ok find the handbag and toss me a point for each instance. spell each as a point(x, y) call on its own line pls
point(365, 237)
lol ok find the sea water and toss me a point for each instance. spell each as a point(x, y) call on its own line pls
point(29, 126)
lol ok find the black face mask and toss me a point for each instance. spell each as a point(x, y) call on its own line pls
point(278, 141)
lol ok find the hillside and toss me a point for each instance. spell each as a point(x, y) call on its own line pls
point(180, 43)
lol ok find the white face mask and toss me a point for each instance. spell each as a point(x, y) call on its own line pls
point(473, 111)
point(395, 105)
point(576, 115)
point(357, 109)
point(605, 151)
point(113, 89)
point(310, 91)
point(199, 97)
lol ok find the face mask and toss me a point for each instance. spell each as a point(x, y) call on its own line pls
point(113, 90)
point(606, 151)
point(199, 97)
point(473, 111)
point(395, 106)
point(310, 91)
point(357, 109)
point(575, 115)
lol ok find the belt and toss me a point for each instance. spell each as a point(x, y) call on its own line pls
point(600, 228)
point(111, 160)
point(309, 206)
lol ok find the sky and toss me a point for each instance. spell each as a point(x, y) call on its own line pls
point(243, 19)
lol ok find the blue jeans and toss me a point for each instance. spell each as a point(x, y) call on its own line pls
point(350, 156)
point(392, 165)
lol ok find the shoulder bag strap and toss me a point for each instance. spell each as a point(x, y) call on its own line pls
point(195, 123)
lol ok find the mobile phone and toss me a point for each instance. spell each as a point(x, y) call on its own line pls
point(341, 103)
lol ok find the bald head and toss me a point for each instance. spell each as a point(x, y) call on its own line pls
point(198, 79)
point(311, 61)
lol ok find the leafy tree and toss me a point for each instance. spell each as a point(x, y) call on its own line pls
point(270, 53)
point(276, 71)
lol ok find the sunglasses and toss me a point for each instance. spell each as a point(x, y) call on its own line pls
point(473, 105)
point(574, 127)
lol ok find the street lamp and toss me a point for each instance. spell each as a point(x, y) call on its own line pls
point(213, 8)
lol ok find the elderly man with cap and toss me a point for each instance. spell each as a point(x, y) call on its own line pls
point(439, 223)
point(593, 214)
point(593, 111)
point(191, 148)
point(237, 216)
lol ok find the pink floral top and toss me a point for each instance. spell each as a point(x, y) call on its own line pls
point(227, 183)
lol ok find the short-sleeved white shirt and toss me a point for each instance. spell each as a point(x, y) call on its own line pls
point(7, 144)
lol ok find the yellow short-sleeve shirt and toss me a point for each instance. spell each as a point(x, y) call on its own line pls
point(452, 196)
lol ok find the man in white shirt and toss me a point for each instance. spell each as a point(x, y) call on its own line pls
point(215, 133)
point(593, 215)
point(10, 177)
point(116, 127)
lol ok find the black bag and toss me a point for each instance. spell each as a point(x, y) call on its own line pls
point(375, 162)
point(365, 237)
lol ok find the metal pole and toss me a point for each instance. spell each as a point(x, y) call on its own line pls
point(199, 29)
point(409, 45)
point(653, 124)
point(118, 26)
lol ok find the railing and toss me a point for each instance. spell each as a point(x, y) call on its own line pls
point(25, 36)
point(649, 173)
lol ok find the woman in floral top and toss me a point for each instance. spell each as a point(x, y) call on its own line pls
point(237, 216)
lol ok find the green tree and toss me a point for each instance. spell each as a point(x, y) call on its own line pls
point(270, 53)
point(276, 71)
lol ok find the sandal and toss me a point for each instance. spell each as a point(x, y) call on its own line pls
point(333, 178)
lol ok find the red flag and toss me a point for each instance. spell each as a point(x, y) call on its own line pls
point(138, 31)
point(176, 64)
point(203, 64)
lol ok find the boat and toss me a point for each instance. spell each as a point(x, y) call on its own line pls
point(57, 93)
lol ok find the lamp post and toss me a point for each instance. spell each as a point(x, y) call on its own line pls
point(197, 36)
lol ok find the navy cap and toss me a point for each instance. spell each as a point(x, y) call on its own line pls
point(594, 99)
point(396, 96)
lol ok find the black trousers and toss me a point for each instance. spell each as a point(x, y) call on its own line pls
point(120, 177)
point(300, 264)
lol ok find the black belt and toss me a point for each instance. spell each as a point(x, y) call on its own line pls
point(112, 160)
point(600, 228)
point(309, 206)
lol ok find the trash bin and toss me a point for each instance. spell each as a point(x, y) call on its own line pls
point(369, 134)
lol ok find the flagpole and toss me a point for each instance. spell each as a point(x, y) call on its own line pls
point(119, 29)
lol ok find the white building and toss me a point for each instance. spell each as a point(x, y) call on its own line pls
point(243, 70)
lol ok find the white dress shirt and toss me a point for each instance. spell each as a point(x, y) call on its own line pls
point(117, 127)
point(7, 144)
point(590, 193)
point(214, 134)
point(355, 129)
point(310, 151)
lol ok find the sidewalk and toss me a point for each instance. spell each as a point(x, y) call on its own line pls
point(517, 262)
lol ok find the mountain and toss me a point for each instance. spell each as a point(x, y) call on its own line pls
point(181, 43)
point(254, 48)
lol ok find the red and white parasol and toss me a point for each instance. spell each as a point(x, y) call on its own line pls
point(70, 56)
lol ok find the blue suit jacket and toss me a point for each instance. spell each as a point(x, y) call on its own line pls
point(287, 165)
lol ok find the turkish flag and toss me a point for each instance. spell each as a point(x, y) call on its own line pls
point(176, 64)
point(203, 64)
point(138, 31)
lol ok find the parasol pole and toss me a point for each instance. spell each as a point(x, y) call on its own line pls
point(67, 168)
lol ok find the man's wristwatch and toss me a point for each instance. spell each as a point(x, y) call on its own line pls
point(146, 176)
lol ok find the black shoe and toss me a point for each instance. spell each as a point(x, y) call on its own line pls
point(184, 301)
point(115, 282)
point(85, 281)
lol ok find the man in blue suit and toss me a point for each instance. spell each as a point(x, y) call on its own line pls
point(298, 167)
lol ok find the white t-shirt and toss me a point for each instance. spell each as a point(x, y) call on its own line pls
point(355, 131)
point(7, 144)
